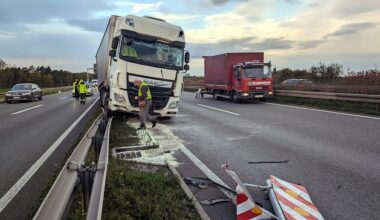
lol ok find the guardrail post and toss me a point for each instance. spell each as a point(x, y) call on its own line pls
point(97, 141)
point(86, 176)
point(102, 127)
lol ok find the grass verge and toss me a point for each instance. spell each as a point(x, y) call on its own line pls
point(344, 106)
point(51, 180)
point(48, 91)
point(135, 191)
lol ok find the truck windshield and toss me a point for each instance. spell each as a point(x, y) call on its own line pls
point(152, 53)
point(257, 72)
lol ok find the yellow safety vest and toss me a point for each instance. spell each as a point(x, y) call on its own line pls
point(129, 51)
point(148, 94)
point(82, 88)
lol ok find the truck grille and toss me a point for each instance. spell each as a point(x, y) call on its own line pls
point(160, 96)
point(258, 88)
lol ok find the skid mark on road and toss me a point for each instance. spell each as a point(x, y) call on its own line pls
point(16, 113)
point(218, 109)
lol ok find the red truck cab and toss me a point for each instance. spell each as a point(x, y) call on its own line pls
point(238, 76)
point(252, 80)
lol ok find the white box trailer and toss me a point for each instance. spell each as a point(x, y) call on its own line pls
point(158, 57)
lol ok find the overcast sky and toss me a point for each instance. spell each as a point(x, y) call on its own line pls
point(293, 33)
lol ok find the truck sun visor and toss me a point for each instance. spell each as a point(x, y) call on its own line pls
point(178, 44)
point(133, 34)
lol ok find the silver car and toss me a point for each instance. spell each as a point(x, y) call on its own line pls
point(24, 92)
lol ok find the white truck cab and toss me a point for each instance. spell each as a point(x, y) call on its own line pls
point(144, 48)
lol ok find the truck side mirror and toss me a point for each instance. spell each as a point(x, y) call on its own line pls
point(112, 53)
point(187, 57)
point(115, 42)
point(274, 70)
point(186, 67)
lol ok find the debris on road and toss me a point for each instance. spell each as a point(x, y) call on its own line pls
point(204, 182)
point(215, 201)
point(263, 162)
point(289, 201)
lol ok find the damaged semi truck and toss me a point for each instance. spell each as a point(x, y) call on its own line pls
point(143, 48)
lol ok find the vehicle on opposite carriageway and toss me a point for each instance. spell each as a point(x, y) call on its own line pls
point(23, 92)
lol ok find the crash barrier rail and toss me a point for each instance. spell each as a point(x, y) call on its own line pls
point(91, 178)
point(330, 96)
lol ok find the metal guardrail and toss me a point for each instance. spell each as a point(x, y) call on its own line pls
point(330, 96)
point(55, 204)
point(97, 194)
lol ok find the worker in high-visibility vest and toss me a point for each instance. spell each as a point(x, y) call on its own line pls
point(82, 92)
point(144, 98)
point(76, 88)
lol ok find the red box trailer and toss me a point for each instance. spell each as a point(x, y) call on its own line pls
point(238, 76)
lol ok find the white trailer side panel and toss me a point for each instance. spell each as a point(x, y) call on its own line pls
point(102, 57)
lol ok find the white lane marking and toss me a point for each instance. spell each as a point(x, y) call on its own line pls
point(218, 109)
point(63, 97)
point(211, 175)
point(12, 192)
point(319, 110)
point(37, 106)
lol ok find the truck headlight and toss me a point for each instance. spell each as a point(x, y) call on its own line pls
point(245, 94)
point(119, 98)
point(173, 105)
point(270, 93)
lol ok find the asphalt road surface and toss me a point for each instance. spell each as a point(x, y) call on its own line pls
point(27, 131)
point(335, 156)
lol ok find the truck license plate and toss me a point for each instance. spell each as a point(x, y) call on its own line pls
point(259, 96)
point(259, 88)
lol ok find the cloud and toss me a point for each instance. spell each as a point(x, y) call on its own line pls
point(95, 25)
point(38, 11)
point(138, 7)
point(310, 44)
point(222, 2)
point(349, 29)
point(273, 43)
point(233, 45)
point(345, 9)
point(239, 45)
point(293, 1)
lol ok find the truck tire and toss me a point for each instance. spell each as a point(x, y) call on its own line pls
point(235, 98)
point(215, 96)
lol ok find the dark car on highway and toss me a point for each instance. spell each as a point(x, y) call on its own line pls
point(24, 92)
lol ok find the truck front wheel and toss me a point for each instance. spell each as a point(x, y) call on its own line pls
point(215, 96)
point(235, 98)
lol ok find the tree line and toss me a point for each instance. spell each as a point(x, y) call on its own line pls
point(330, 74)
point(42, 76)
